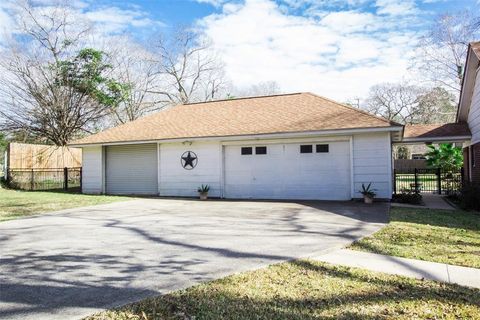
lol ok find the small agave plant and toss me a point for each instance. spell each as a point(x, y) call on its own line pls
point(203, 191)
point(368, 193)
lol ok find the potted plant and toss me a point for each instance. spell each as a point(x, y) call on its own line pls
point(368, 193)
point(203, 191)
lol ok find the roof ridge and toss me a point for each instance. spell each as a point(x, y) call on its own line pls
point(356, 109)
point(244, 98)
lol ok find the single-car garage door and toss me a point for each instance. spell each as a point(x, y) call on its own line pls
point(315, 171)
point(131, 169)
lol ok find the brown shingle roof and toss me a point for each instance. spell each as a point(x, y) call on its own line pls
point(426, 131)
point(296, 112)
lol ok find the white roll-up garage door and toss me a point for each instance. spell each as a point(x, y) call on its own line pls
point(284, 172)
point(131, 169)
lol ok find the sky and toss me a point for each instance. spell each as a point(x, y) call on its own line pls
point(335, 48)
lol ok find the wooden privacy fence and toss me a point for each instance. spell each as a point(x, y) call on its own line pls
point(38, 156)
point(45, 179)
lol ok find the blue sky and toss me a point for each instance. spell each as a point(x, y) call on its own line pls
point(336, 48)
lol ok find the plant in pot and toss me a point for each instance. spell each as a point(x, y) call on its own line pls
point(368, 193)
point(203, 191)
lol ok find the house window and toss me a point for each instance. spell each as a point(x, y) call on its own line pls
point(306, 148)
point(260, 150)
point(246, 150)
point(321, 148)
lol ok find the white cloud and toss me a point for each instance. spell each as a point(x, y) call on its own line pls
point(396, 7)
point(339, 55)
point(116, 20)
point(215, 3)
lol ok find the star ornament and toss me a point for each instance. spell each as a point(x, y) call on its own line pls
point(189, 160)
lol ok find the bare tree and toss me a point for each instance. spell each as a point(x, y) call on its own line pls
point(188, 69)
point(442, 51)
point(397, 102)
point(263, 88)
point(411, 104)
point(138, 67)
point(40, 89)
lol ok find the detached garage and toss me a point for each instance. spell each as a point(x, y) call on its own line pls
point(293, 146)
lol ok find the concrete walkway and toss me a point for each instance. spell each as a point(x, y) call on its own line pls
point(432, 201)
point(464, 276)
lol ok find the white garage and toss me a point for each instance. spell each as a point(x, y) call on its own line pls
point(313, 170)
point(131, 169)
point(292, 146)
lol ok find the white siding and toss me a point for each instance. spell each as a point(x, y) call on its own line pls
point(92, 170)
point(474, 113)
point(285, 173)
point(177, 181)
point(372, 163)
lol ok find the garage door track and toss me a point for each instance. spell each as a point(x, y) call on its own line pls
point(72, 263)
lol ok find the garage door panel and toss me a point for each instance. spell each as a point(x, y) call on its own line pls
point(285, 173)
point(131, 169)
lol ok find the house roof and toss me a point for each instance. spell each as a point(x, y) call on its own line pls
point(296, 112)
point(436, 132)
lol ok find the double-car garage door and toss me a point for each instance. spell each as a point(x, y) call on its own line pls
point(289, 171)
point(317, 170)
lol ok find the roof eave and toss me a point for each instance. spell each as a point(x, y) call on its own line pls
point(277, 135)
point(465, 97)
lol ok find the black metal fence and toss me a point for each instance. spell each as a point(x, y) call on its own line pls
point(427, 180)
point(45, 179)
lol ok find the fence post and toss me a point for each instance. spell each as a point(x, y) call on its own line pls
point(32, 180)
point(416, 179)
point(394, 181)
point(65, 178)
point(439, 181)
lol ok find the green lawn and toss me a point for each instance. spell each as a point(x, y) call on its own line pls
point(15, 204)
point(447, 236)
point(306, 289)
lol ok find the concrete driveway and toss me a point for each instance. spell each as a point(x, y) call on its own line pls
point(75, 262)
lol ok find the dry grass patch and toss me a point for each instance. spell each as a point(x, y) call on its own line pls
point(307, 289)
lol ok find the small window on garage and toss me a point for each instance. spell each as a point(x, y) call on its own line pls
point(246, 150)
point(260, 150)
point(322, 148)
point(306, 148)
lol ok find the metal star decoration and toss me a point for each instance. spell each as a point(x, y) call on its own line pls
point(189, 160)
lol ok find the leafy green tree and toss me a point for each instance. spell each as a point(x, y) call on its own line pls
point(88, 72)
point(446, 157)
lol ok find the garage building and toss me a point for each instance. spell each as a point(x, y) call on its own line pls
point(291, 146)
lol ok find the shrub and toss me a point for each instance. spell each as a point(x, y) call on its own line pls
point(408, 196)
point(470, 196)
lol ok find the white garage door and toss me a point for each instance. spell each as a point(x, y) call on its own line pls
point(319, 171)
point(131, 169)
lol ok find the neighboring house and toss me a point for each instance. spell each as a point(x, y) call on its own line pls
point(291, 146)
point(469, 111)
point(417, 137)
